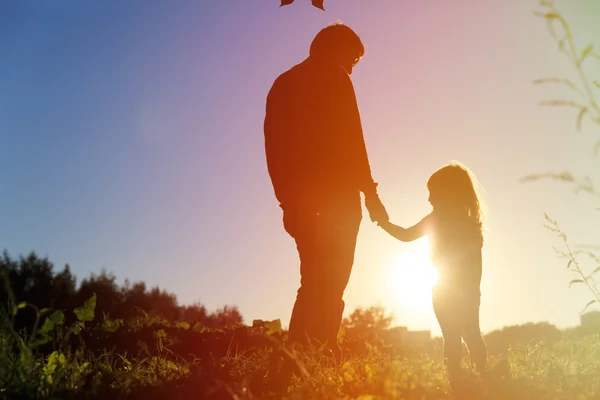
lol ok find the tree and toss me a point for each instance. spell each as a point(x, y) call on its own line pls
point(156, 302)
point(194, 313)
point(109, 298)
point(366, 323)
point(225, 317)
point(31, 283)
point(499, 341)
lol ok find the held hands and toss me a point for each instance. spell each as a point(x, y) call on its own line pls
point(379, 214)
point(376, 209)
point(387, 226)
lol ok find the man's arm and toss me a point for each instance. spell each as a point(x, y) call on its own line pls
point(352, 127)
point(275, 130)
point(285, 148)
point(359, 163)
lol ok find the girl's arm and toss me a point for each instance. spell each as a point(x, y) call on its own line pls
point(409, 234)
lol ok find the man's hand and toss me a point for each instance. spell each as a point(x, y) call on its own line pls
point(376, 209)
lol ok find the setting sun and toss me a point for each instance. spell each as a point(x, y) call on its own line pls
point(411, 276)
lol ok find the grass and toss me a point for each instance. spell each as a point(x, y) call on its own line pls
point(154, 359)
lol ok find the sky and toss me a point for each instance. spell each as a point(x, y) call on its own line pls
point(131, 140)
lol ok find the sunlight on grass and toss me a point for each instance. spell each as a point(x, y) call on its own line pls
point(411, 276)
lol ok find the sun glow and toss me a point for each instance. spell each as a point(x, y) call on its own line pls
point(411, 276)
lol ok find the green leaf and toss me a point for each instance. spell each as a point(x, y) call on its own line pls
point(576, 281)
point(40, 341)
point(548, 15)
point(182, 325)
point(57, 317)
point(51, 364)
point(19, 306)
point(586, 52)
point(569, 264)
point(159, 333)
point(47, 327)
point(77, 327)
point(596, 148)
point(25, 355)
point(559, 81)
point(587, 305)
point(87, 312)
point(83, 367)
point(580, 116)
point(112, 325)
point(198, 327)
point(561, 103)
point(372, 371)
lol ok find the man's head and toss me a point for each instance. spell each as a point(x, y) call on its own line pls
point(339, 44)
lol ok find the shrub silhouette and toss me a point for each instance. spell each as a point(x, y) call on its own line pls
point(33, 280)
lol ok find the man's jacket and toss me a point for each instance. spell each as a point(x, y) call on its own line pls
point(314, 142)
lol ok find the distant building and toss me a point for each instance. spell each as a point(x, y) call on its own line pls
point(418, 336)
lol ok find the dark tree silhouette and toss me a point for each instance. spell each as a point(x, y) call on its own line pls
point(31, 282)
point(368, 319)
point(499, 341)
point(108, 295)
point(225, 317)
point(195, 313)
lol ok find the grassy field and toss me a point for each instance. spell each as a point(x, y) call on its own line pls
point(150, 358)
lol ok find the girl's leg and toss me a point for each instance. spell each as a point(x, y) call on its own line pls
point(448, 317)
point(472, 333)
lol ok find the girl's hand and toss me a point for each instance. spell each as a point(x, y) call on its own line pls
point(384, 224)
point(406, 235)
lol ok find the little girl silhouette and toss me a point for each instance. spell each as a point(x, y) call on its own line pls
point(455, 234)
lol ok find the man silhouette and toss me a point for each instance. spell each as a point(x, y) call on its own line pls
point(318, 165)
